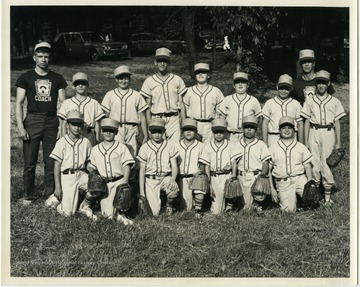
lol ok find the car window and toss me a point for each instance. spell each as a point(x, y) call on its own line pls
point(91, 37)
point(76, 39)
point(67, 37)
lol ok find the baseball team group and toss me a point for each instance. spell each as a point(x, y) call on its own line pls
point(183, 144)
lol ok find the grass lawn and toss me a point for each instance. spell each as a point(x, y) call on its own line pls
point(310, 244)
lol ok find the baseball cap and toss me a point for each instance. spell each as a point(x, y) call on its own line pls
point(157, 124)
point(322, 75)
point(74, 116)
point(162, 53)
point(219, 124)
point(109, 124)
point(285, 80)
point(240, 76)
point(201, 67)
point(42, 45)
point(286, 121)
point(251, 121)
point(306, 54)
point(122, 70)
point(189, 124)
point(80, 77)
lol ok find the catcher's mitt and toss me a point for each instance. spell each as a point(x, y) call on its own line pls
point(200, 181)
point(335, 157)
point(311, 195)
point(144, 207)
point(123, 198)
point(261, 187)
point(96, 184)
point(233, 188)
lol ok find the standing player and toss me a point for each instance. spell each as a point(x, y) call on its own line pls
point(281, 106)
point(89, 107)
point(163, 93)
point(112, 160)
point(158, 168)
point(71, 154)
point(43, 89)
point(304, 86)
point(254, 162)
point(290, 165)
point(202, 101)
point(322, 130)
point(127, 107)
point(222, 156)
point(190, 161)
point(236, 106)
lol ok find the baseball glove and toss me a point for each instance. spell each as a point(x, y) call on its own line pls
point(200, 181)
point(144, 207)
point(123, 198)
point(96, 184)
point(311, 195)
point(335, 157)
point(233, 188)
point(261, 187)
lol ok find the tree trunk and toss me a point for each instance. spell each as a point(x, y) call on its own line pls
point(188, 16)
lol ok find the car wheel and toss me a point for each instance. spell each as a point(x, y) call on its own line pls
point(94, 55)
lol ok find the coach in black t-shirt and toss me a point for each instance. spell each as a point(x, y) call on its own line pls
point(42, 88)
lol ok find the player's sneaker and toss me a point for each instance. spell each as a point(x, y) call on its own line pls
point(52, 202)
point(258, 209)
point(329, 203)
point(198, 214)
point(169, 210)
point(85, 209)
point(124, 220)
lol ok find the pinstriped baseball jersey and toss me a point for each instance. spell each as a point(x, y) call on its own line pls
point(157, 156)
point(164, 94)
point(254, 154)
point(71, 154)
point(234, 107)
point(124, 107)
point(219, 157)
point(89, 107)
point(276, 108)
point(110, 162)
point(289, 160)
point(322, 110)
point(203, 105)
point(190, 157)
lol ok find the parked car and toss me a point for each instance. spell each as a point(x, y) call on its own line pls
point(87, 44)
point(147, 43)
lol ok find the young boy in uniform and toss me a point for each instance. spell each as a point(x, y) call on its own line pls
point(113, 161)
point(71, 154)
point(202, 101)
point(163, 93)
point(253, 163)
point(236, 106)
point(158, 168)
point(89, 107)
point(221, 158)
point(280, 106)
point(191, 161)
point(127, 107)
point(290, 165)
point(322, 113)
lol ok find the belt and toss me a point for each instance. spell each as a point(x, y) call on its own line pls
point(154, 176)
point(286, 178)
point(274, 134)
point(127, 123)
point(43, 114)
point(72, 171)
point(216, 173)
point(107, 180)
point(169, 114)
point(253, 172)
point(185, 175)
point(204, 120)
point(329, 127)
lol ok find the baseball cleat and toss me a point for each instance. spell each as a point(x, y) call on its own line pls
point(169, 210)
point(124, 220)
point(52, 202)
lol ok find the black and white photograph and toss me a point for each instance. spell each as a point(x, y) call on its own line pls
point(180, 143)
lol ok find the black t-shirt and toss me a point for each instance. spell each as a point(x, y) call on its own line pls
point(303, 89)
point(41, 91)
